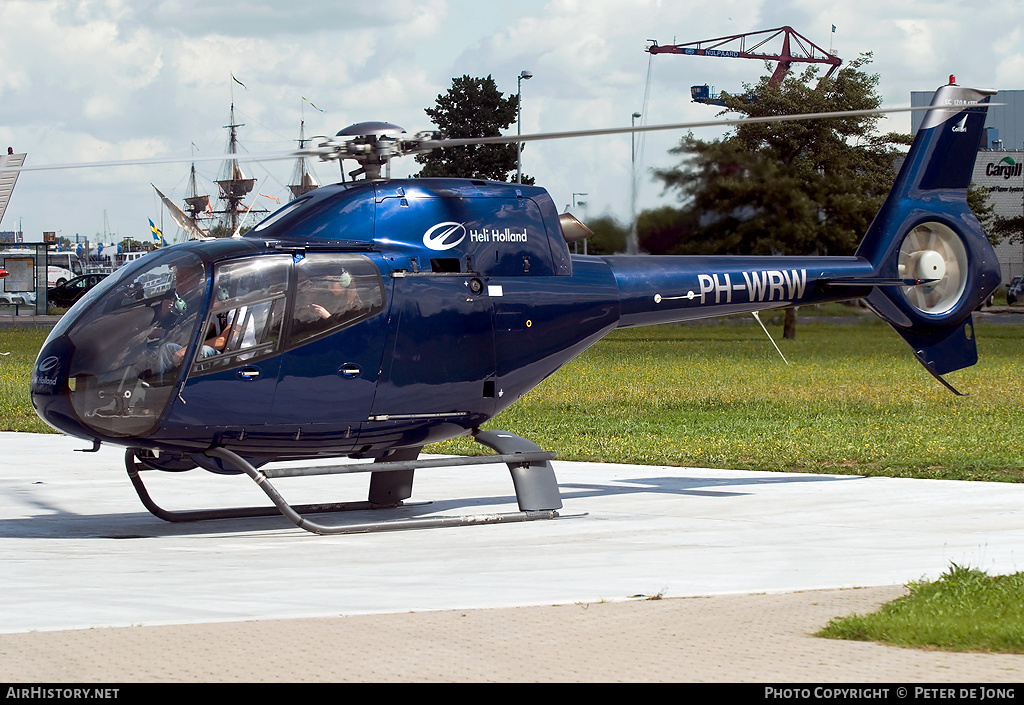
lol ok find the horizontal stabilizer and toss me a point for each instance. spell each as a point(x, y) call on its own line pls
point(877, 281)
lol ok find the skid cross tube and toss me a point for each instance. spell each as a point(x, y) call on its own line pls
point(536, 488)
point(426, 523)
point(400, 465)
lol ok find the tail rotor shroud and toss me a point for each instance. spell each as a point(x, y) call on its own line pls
point(935, 253)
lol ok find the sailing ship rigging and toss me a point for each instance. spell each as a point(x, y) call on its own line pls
point(196, 206)
point(233, 187)
point(303, 179)
point(234, 184)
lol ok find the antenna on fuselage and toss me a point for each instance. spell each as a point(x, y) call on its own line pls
point(758, 319)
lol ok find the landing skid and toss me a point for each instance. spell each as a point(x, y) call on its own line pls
point(391, 482)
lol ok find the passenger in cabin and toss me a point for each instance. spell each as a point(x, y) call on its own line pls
point(327, 304)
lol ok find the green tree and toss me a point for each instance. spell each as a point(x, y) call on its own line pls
point(983, 209)
point(1012, 228)
point(473, 107)
point(663, 230)
point(789, 188)
point(224, 230)
point(997, 227)
point(609, 236)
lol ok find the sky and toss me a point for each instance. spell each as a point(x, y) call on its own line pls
point(97, 80)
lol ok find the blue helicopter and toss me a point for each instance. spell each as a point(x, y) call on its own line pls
point(372, 317)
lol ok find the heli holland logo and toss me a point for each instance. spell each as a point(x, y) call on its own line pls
point(1005, 167)
point(46, 372)
point(444, 236)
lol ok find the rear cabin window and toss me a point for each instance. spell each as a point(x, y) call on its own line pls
point(332, 291)
point(257, 312)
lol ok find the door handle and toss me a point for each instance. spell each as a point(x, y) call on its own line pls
point(350, 370)
point(249, 373)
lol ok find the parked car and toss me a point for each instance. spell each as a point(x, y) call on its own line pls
point(22, 298)
point(66, 294)
point(1015, 291)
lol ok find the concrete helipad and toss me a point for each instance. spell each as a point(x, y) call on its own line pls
point(79, 552)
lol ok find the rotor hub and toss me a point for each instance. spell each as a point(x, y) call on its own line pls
point(372, 145)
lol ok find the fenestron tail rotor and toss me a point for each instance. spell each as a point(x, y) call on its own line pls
point(932, 251)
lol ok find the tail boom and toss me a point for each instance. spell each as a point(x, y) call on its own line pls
point(670, 289)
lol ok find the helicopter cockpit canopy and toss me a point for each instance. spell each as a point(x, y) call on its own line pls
point(182, 313)
point(131, 338)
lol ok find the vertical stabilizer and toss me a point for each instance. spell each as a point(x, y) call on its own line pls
point(926, 231)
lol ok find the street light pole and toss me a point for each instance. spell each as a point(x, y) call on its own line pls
point(632, 244)
point(576, 244)
point(519, 124)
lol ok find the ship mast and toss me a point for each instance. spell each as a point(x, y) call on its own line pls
point(303, 179)
point(234, 185)
point(196, 205)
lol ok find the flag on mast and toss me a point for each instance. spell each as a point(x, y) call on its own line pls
point(158, 236)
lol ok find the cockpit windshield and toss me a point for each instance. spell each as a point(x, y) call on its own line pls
point(173, 317)
point(130, 346)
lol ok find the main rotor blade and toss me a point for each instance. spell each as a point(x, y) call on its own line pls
point(329, 148)
point(242, 157)
point(506, 139)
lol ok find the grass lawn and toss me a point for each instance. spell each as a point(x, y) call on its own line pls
point(852, 400)
point(18, 349)
point(964, 610)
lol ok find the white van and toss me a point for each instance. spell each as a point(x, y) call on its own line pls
point(62, 267)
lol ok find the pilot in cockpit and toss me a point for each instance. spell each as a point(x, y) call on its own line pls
point(184, 299)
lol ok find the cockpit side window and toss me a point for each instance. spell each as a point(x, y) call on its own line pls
point(333, 291)
point(246, 315)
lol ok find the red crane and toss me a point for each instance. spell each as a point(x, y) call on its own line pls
point(795, 48)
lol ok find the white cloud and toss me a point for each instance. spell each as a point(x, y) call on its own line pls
point(107, 78)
